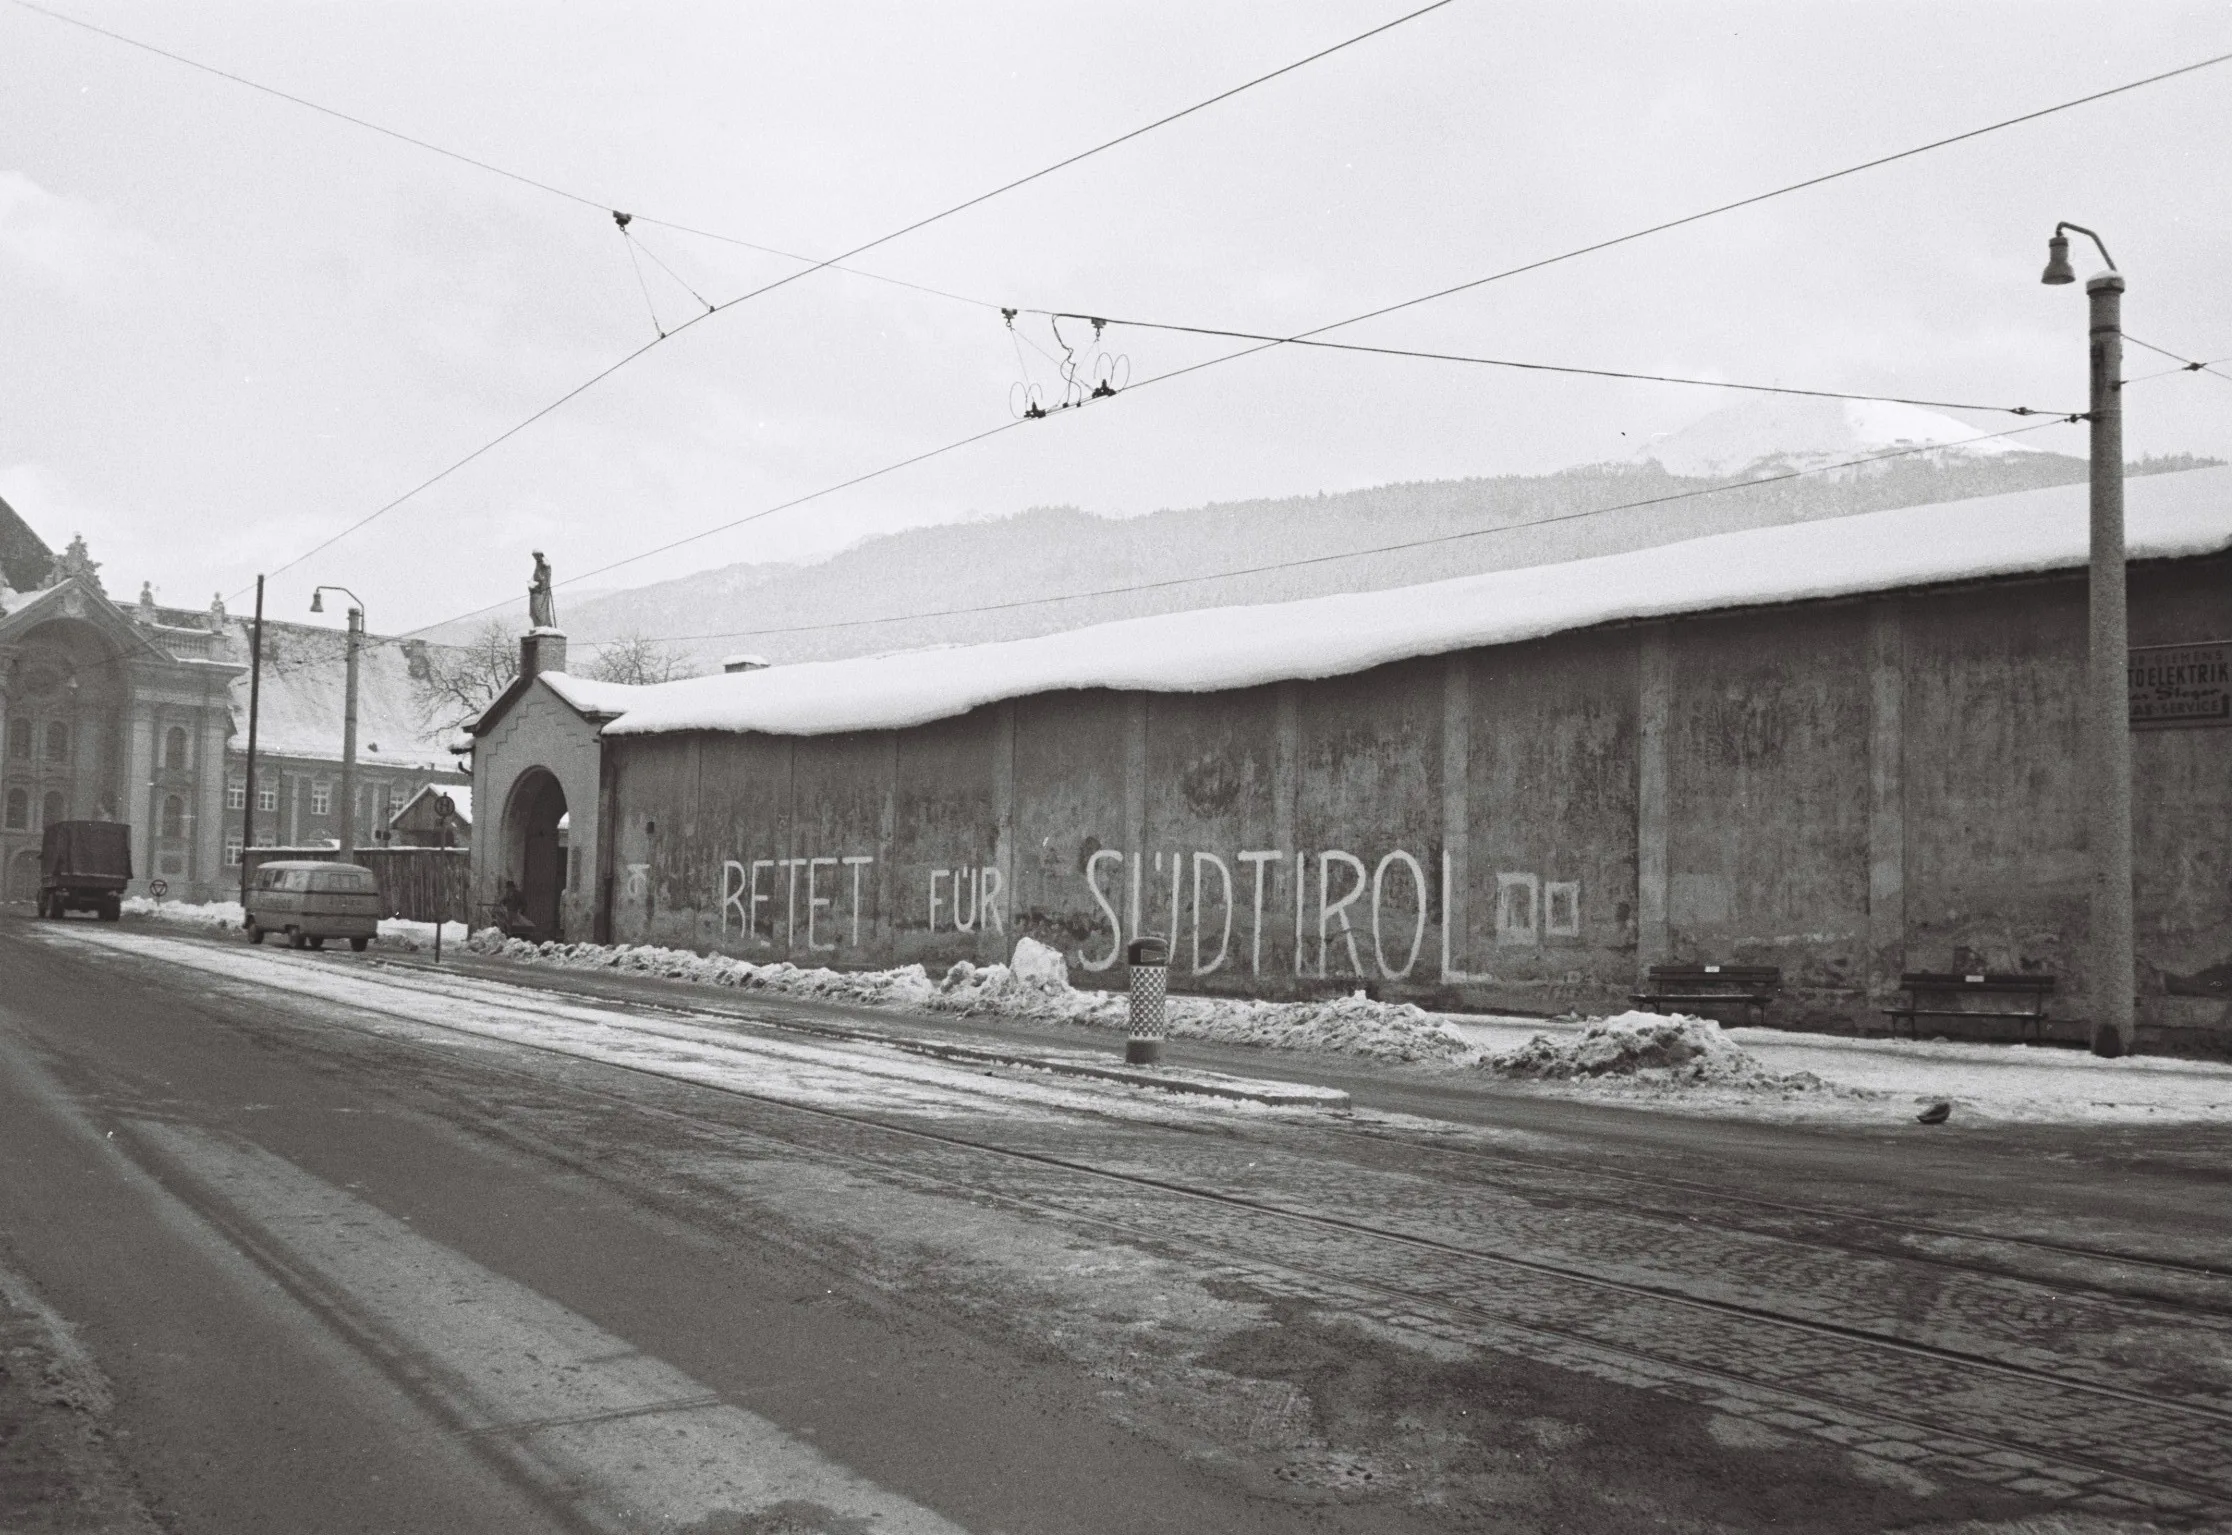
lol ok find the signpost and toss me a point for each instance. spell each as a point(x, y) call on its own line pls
point(445, 810)
point(2180, 685)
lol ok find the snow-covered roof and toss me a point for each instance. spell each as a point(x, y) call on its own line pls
point(1211, 649)
point(304, 698)
point(589, 696)
point(461, 797)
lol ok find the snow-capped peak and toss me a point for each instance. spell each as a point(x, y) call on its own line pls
point(1771, 433)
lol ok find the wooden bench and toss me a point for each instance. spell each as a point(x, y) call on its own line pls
point(1950, 988)
point(1751, 986)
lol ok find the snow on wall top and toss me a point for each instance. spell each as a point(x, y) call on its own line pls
point(1210, 649)
point(589, 696)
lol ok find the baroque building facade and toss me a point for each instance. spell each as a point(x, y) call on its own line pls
point(138, 712)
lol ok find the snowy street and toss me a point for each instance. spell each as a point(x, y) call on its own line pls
point(530, 1247)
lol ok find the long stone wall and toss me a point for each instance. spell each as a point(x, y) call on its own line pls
point(1842, 789)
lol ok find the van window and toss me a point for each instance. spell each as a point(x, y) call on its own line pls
point(345, 878)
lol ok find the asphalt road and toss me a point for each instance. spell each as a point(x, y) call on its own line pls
point(327, 1245)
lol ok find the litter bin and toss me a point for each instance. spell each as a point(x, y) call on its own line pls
point(1147, 963)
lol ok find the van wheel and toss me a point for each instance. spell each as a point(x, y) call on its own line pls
point(296, 940)
point(358, 944)
point(255, 933)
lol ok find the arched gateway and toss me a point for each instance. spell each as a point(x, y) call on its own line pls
point(536, 754)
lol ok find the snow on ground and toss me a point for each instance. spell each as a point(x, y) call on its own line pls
point(1827, 1077)
point(726, 1054)
point(1691, 1065)
point(225, 917)
point(1034, 987)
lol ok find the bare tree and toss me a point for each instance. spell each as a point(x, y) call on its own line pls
point(458, 682)
point(638, 658)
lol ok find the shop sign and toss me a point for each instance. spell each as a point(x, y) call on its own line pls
point(2175, 685)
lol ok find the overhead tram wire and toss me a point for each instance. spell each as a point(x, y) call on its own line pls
point(810, 264)
point(1540, 367)
point(1352, 554)
point(765, 288)
point(2189, 365)
point(1264, 346)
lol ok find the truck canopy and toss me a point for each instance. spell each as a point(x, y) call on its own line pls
point(86, 850)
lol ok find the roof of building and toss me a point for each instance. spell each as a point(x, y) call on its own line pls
point(461, 797)
point(304, 697)
point(594, 701)
point(1211, 649)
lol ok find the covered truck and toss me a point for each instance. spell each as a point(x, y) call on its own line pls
point(84, 866)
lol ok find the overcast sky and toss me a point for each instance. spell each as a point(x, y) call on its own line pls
point(231, 326)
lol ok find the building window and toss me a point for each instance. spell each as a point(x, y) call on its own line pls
point(232, 852)
point(19, 739)
point(321, 798)
point(174, 747)
point(397, 799)
point(236, 793)
point(19, 810)
point(174, 816)
point(53, 808)
point(267, 839)
point(58, 741)
point(267, 796)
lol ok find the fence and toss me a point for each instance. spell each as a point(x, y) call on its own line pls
point(420, 883)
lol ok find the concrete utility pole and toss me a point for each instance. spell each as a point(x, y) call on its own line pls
point(348, 717)
point(2107, 706)
point(255, 707)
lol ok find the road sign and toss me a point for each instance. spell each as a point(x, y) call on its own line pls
point(158, 888)
point(444, 806)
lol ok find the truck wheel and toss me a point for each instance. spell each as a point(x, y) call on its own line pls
point(358, 944)
point(112, 910)
point(317, 943)
point(255, 933)
point(296, 940)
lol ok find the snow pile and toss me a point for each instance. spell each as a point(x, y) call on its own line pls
point(1650, 1048)
point(226, 916)
point(1035, 986)
point(215, 916)
point(1212, 649)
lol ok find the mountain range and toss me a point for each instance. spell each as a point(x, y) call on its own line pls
point(1761, 462)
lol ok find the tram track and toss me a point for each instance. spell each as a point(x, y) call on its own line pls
point(1806, 1386)
point(2122, 1447)
point(2170, 1266)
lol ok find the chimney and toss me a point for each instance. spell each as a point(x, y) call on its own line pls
point(541, 650)
point(743, 663)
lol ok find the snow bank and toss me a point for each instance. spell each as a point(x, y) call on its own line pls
point(1650, 1048)
point(1211, 649)
point(226, 916)
point(1035, 986)
point(216, 916)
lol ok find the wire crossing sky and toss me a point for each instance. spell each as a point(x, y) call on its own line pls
point(246, 313)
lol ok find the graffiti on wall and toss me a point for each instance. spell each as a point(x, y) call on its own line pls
point(1335, 913)
point(1386, 905)
point(740, 893)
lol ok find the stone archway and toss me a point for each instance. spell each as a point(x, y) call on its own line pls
point(535, 845)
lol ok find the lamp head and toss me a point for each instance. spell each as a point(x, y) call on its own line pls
point(317, 598)
point(2057, 261)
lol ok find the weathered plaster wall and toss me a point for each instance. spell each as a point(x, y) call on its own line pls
point(1842, 789)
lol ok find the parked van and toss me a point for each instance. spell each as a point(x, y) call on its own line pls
point(308, 901)
point(84, 866)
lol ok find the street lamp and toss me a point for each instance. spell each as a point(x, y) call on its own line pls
point(349, 716)
point(2107, 706)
